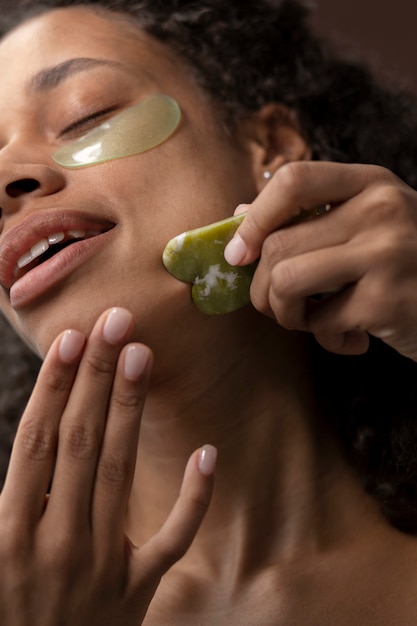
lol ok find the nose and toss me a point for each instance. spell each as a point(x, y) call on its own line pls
point(20, 183)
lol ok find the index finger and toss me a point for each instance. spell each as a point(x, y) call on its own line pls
point(296, 188)
point(34, 450)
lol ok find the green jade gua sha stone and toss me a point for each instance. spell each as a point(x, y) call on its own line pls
point(197, 257)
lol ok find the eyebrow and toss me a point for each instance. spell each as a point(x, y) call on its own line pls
point(51, 77)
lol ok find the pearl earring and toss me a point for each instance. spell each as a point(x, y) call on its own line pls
point(267, 175)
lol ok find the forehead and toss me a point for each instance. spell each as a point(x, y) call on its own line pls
point(56, 36)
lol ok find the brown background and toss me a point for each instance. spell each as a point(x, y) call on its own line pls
point(382, 31)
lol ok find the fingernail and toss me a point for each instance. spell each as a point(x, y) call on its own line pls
point(241, 208)
point(207, 460)
point(235, 251)
point(136, 360)
point(117, 324)
point(71, 345)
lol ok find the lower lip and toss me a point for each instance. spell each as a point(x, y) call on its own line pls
point(43, 277)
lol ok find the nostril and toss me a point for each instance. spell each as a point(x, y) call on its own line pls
point(20, 187)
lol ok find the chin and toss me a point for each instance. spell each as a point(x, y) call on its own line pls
point(157, 315)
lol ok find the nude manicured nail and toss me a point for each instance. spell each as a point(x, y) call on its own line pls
point(235, 250)
point(117, 324)
point(71, 345)
point(241, 208)
point(136, 360)
point(207, 460)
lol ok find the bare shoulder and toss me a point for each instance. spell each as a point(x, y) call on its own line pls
point(372, 582)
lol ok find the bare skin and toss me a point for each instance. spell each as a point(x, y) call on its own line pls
point(290, 537)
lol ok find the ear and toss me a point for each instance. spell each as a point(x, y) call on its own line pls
point(274, 137)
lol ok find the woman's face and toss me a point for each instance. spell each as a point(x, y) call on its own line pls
point(134, 205)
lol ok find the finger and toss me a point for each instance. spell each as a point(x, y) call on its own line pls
point(83, 422)
point(176, 535)
point(118, 454)
point(353, 342)
point(296, 188)
point(356, 311)
point(299, 313)
point(339, 325)
point(330, 229)
point(34, 449)
point(295, 280)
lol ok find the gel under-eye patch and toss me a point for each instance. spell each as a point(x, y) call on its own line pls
point(197, 257)
point(136, 129)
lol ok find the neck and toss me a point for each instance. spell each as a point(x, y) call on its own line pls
point(282, 486)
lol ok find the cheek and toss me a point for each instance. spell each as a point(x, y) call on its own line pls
point(195, 186)
point(143, 286)
point(185, 183)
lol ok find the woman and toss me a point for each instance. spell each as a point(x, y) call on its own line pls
point(91, 530)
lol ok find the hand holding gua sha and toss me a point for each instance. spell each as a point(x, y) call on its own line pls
point(197, 257)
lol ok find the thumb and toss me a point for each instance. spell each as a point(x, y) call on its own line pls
point(349, 343)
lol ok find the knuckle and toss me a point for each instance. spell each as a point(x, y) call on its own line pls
point(283, 279)
point(99, 364)
point(290, 175)
point(389, 202)
point(80, 441)
point(36, 440)
point(199, 502)
point(382, 174)
point(284, 315)
point(388, 250)
point(56, 382)
point(127, 399)
point(278, 245)
point(114, 470)
point(388, 253)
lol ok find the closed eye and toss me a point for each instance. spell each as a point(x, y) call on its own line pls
point(86, 123)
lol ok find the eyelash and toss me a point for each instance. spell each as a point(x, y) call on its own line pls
point(86, 121)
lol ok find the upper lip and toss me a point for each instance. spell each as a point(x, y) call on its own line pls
point(20, 238)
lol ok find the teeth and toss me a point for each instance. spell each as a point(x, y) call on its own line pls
point(42, 246)
point(56, 238)
point(25, 260)
point(37, 250)
point(77, 234)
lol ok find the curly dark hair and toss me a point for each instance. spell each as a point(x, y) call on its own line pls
point(19, 368)
point(246, 53)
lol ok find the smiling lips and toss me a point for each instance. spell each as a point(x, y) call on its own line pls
point(46, 247)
